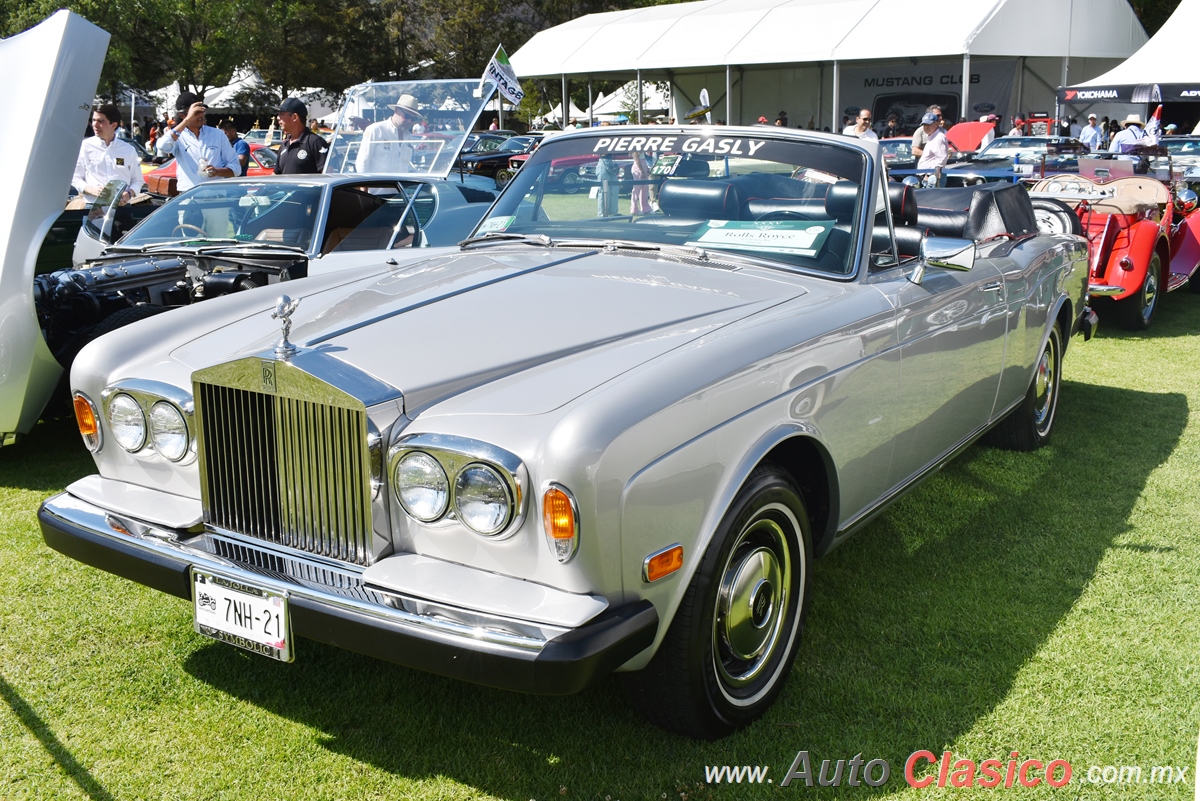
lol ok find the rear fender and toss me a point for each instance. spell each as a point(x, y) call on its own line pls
point(1143, 239)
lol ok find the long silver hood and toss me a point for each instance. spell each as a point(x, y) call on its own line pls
point(447, 324)
point(51, 71)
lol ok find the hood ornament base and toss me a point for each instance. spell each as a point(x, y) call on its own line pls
point(283, 312)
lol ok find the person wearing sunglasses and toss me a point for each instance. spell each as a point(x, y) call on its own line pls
point(862, 126)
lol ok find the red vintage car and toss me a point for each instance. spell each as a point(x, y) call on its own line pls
point(161, 182)
point(1143, 239)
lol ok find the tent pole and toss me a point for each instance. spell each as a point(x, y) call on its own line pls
point(566, 104)
point(729, 95)
point(1020, 85)
point(966, 88)
point(639, 105)
point(820, 92)
point(741, 93)
point(591, 103)
point(835, 124)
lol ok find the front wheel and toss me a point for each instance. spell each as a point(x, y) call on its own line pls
point(1027, 427)
point(571, 182)
point(503, 177)
point(730, 648)
point(1136, 311)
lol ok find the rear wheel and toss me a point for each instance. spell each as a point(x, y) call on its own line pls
point(1136, 311)
point(1027, 427)
point(731, 645)
point(503, 177)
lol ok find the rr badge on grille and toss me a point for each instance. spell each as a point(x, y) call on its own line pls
point(268, 376)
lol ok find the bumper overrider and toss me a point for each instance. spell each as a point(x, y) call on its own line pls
point(331, 604)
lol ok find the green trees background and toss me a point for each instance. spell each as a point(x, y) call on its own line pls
point(326, 44)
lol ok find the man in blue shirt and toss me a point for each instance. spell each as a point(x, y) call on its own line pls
point(240, 145)
point(201, 151)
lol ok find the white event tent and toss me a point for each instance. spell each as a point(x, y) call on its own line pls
point(810, 54)
point(1161, 71)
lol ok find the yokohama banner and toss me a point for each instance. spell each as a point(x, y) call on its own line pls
point(1131, 93)
point(905, 90)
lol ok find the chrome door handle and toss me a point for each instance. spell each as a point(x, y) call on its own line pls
point(993, 287)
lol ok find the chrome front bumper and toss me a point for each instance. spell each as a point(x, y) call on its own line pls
point(331, 603)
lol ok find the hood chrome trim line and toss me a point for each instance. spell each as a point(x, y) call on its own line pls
point(381, 317)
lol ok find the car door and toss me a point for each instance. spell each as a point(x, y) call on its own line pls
point(952, 329)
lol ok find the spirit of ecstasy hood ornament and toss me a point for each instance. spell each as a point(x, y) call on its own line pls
point(283, 313)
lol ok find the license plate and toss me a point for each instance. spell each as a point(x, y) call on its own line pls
point(242, 614)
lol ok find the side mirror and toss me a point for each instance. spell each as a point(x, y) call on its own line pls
point(946, 252)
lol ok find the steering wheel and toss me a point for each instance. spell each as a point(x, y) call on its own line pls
point(184, 227)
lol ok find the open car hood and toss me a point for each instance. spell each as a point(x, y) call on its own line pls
point(450, 109)
point(59, 65)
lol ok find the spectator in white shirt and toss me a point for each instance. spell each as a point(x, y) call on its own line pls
point(201, 151)
point(1091, 135)
point(862, 126)
point(104, 157)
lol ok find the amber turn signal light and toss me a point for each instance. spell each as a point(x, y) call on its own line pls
point(557, 514)
point(85, 418)
point(560, 520)
point(663, 563)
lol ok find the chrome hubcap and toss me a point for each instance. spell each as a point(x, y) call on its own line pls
point(752, 603)
point(1149, 295)
point(1045, 384)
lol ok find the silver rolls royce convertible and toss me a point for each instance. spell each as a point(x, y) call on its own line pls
point(611, 431)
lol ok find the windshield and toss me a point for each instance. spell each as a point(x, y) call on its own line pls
point(275, 211)
point(404, 127)
point(1008, 146)
point(896, 149)
point(789, 199)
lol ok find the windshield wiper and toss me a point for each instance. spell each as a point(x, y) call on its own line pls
point(495, 237)
point(253, 246)
point(606, 244)
point(176, 243)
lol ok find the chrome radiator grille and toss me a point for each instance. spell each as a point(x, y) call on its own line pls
point(286, 471)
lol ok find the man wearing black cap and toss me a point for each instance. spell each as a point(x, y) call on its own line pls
point(302, 151)
point(201, 151)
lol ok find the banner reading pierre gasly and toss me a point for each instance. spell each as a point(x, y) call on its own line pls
point(1131, 93)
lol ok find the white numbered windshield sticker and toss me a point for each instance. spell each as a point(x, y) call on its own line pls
point(496, 224)
point(801, 238)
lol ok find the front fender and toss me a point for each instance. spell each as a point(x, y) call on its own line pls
point(1185, 246)
point(682, 498)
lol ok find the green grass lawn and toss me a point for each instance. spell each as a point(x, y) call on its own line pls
point(1045, 603)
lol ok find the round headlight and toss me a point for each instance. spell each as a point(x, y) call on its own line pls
point(422, 486)
point(482, 500)
point(127, 421)
point(168, 431)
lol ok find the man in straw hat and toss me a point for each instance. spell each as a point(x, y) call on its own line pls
point(1129, 137)
point(387, 145)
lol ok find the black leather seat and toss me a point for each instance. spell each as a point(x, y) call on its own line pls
point(699, 200)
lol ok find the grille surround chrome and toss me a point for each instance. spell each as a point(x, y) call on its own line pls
point(286, 457)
